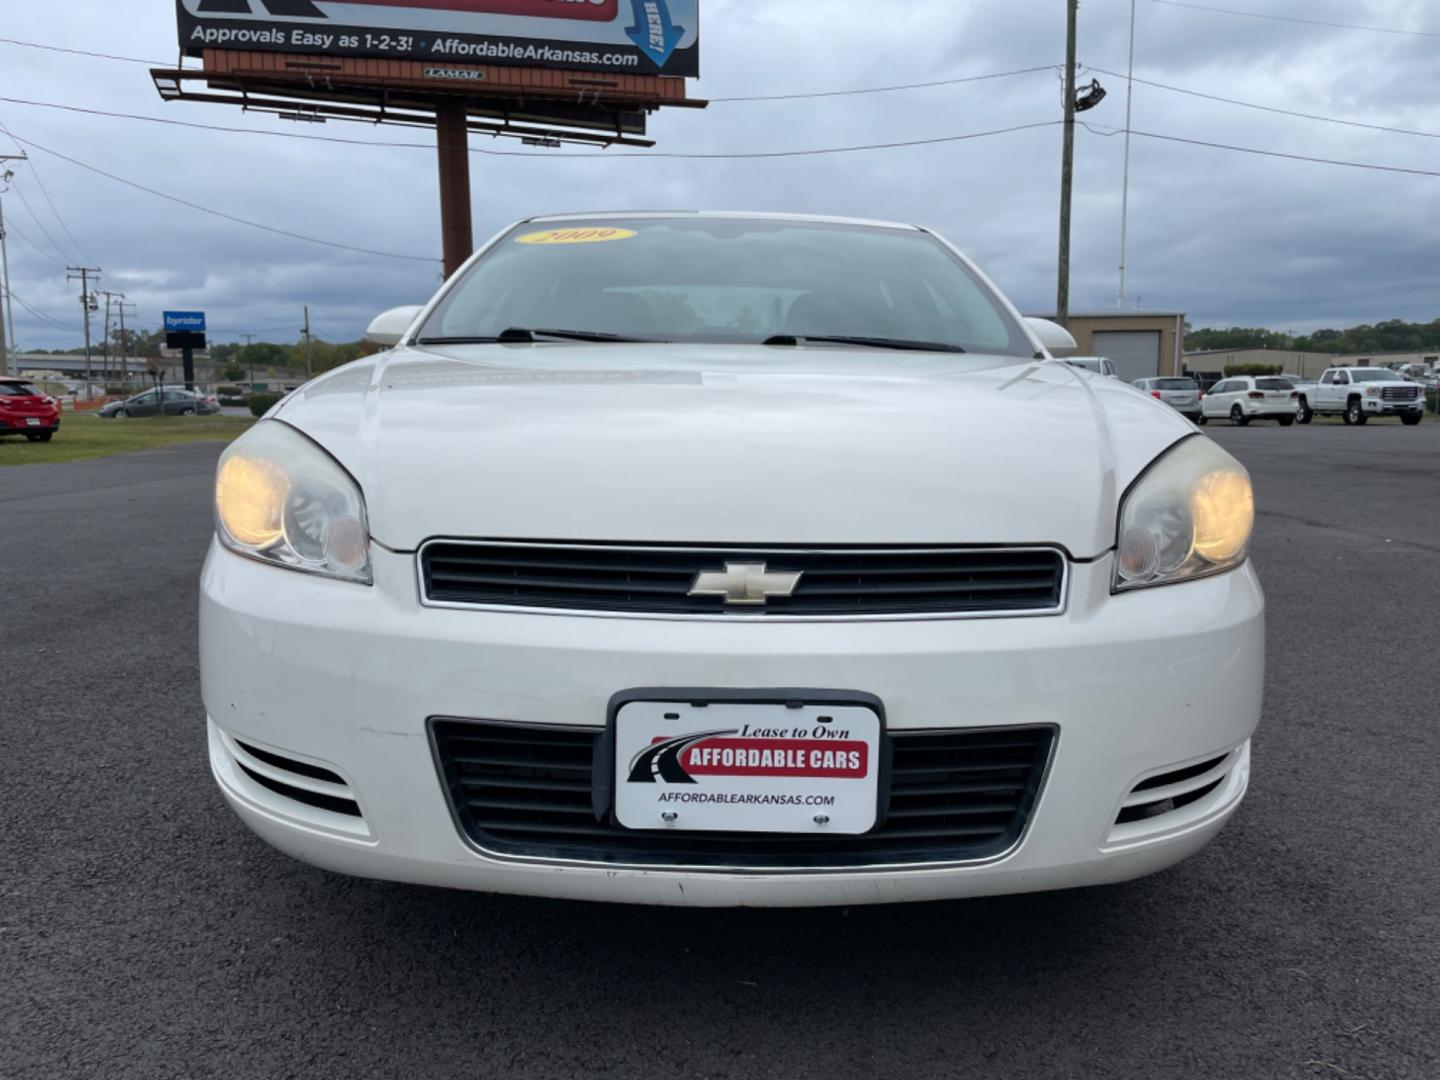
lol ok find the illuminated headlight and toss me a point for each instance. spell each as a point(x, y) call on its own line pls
point(1189, 516)
point(281, 499)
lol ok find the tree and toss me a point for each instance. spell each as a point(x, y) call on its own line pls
point(1392, 335)
point(155, 367)
point(1237, 337)
point(264, 354)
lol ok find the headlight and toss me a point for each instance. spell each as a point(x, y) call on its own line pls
point(281, 499)
point(1189, 516)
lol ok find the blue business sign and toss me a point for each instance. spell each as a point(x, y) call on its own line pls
point(184, 322)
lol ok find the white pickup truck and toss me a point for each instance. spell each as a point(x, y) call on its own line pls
point(1358, 393)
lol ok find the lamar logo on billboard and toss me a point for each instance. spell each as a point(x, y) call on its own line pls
point(813, 754)
point(593, 10)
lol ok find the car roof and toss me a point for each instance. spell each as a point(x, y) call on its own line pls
point(735, 215)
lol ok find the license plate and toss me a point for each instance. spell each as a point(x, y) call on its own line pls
point(739, 766)
point(33, 421)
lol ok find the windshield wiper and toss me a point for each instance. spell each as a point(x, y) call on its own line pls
point(520, 335)
point(866, 342)
point(523, 334)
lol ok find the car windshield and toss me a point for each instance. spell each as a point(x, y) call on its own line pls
point(1273, 384)
point(1375, 375)
point(19, 389)
point(1175, 384)
point(725, 280)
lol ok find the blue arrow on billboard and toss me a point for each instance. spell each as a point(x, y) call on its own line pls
point(653, 31)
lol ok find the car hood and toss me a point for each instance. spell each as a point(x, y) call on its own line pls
point(733, 445)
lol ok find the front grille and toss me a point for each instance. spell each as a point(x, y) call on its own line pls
point(658, 580)
point(1400, 393)
point(528, 791)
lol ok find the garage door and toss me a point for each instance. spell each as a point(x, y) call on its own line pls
point(1136, 353)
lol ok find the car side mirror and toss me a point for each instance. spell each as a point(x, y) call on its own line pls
point(1054, 337)
point(389, 327)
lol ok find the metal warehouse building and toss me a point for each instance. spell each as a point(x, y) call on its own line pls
point(1308, 365)
point(1142, 344)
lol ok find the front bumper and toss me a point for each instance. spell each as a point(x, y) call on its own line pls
point(1377, 407)
point(344, 677)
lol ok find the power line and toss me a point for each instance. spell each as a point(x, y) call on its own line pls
point(226, 129)
point(1270, 108)
point(770, 154)
point(46, 192)
point(81, 52)
point(38, 249)
point(880, 89)
point(1297, 19)
point(220, 213)
point(42, 317)
point(36, 217)
point(602, 156)
point(1273, 153)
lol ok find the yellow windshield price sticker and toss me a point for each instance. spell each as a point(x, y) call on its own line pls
point(577, 236)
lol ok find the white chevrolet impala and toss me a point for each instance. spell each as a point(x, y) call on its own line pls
point(729, 559)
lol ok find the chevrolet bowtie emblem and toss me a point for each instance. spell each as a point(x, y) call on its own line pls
point(747, 584)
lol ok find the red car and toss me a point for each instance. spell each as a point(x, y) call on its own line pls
point(27, 410)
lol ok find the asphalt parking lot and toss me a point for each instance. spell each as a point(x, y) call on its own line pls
point(145, 933)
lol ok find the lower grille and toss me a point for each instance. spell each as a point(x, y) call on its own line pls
point(1174, 790)
point(298, 781)
point(806, 582)
point(528, 791)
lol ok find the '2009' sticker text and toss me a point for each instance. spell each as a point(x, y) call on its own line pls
point(576, 236)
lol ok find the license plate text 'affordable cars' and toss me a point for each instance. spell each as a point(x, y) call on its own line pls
point(747, 767)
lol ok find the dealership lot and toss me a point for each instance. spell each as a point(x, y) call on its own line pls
point(146, 934)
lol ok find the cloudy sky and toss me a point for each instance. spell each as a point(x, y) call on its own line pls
point(1229, 238)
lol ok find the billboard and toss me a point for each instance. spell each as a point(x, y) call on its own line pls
point(631, 37)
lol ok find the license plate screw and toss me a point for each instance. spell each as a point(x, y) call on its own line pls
point(822, 819)
point(669, 817)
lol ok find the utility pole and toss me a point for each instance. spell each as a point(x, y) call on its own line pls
point(1067, 167)
point(250, 359)
point(9, 311)
point(306, 332)
point(7, 315)
point(1125, 188)
point(105, 338)
point(87, 305)
point(118, 299)
point(124, 347)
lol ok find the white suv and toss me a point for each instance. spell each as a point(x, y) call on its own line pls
point(1243, 398)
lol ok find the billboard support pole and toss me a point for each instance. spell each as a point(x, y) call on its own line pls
point(189, 355)
point(452, 141)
